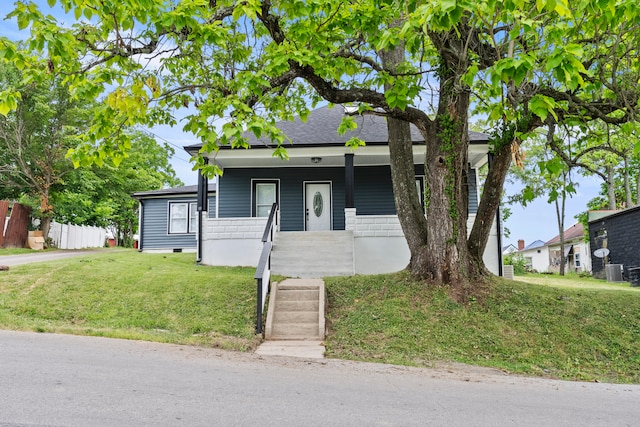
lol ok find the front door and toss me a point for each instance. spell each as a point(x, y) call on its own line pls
point(317, 206)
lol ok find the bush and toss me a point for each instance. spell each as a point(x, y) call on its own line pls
point(519, 263)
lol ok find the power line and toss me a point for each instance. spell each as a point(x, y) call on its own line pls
point(168, 142)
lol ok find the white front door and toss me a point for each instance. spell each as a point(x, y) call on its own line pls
point(317, 206)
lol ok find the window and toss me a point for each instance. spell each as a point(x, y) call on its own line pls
point(183, 218)
point(265, 194)
point(576, 260)
point(193, 217)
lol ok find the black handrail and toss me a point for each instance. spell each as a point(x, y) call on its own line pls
point(264, 265)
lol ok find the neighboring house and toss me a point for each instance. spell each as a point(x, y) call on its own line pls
point(576, 250)
point(169, 218)
point(509, 249)
point(619, 233)
point(536, 254)
point(323, 186)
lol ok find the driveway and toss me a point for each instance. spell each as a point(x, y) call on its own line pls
point(56, 380)
point(13, 260)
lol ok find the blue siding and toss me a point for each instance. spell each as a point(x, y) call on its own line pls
point(235, 188)
point(373, 193)
point(155, 224)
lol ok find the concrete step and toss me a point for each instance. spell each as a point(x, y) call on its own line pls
point(297, 295)
point(295, 317)
point(313, 254)
point(295, 331)
point(296, 305)
point(296, 310)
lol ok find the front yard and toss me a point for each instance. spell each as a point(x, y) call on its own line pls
point(569, 328)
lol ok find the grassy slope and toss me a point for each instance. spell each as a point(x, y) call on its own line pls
point(132, 295)
point(582, 334)
point(575, 331)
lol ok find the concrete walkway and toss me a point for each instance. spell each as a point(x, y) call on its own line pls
point(13, 260)
point(295, 348)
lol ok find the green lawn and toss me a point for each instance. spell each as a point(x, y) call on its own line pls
point(128, 294)
point(585, 333)
point(568, 328)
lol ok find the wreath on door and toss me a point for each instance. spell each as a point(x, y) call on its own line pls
point(317, 204)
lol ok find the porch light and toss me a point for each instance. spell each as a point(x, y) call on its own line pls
point(316, 160)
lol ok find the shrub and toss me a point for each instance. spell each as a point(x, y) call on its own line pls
point(518, 262)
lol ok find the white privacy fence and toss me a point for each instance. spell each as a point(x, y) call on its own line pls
point(68, 236)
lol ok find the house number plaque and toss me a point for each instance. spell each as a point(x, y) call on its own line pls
point(317, 204)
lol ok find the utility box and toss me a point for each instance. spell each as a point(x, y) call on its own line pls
point(634, 276)
point(613, 272)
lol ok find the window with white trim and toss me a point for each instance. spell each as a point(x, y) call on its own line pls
point(265, 194)
point(576, 260)
point(183, 217)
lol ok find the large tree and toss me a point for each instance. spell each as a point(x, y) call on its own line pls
point(101, 195)
point(36, 136)
point(421, 62)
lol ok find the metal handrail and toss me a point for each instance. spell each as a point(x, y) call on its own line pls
point(263, 271)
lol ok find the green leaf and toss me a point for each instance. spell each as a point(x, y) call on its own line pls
point(541, 106)
point(528, 195)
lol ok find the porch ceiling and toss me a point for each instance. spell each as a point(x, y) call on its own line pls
point(328, 156)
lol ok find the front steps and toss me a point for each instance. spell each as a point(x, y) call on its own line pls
point(313, 254)
point(295, 324)
point(296, 310)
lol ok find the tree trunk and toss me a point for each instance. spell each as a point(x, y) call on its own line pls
point(4, 208)
point(611, 193)
point(45, 226)
point(447, 193)
point(18, 227)
point(489, 203)
point(627, 184)
point(439, 250)
point(410, 210)
point(560, 218)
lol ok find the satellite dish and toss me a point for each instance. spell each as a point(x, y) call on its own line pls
point(601, 253)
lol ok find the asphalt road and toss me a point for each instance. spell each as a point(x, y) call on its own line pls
point(59, 380)
point(12, 260)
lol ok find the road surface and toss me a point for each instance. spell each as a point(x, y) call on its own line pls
point(60, 380)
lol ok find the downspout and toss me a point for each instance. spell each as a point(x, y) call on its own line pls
point(140, 229)
point(203, 198)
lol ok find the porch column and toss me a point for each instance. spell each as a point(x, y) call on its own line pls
point(203, 207)
point(348, 180)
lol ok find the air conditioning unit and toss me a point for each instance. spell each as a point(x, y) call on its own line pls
point(613, 272)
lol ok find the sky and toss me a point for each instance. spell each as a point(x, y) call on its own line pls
point(536, 221)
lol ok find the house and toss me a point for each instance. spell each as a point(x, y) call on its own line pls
point(536, 254)
point(576, 250)
point(619, 233)
point(325, 190)
point(509, 249)
point(168, 218)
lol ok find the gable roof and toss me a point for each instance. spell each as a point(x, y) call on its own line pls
point(533, 245)
point(574, 232)
point(595, 216)
point(320, 130)
point(175, 191)
point(509, 248)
